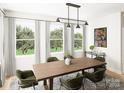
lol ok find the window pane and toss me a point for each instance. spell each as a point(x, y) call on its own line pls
point(56, 30)
point(25, 29)
point(56, 37)
point(24, 47)
point(78, 32)
point(56, 45)
point(78, 37)
point(77, 44)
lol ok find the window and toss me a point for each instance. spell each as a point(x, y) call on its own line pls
point(25, 37)
point(78, 38)
point(56, 37)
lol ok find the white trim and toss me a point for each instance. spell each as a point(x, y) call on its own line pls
point(56, 53)
point(47, 40)
point(19, 56)
point(24, 39)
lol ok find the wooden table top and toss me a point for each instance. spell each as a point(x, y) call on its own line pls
point(58, 68)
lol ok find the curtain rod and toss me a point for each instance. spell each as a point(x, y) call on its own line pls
point(37, 19)
point(2, 11)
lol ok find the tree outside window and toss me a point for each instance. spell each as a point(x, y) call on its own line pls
point(78, 38)
point(25, 37)
point(56, 37)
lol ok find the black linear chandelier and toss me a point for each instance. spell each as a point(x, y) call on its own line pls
point(68, 19)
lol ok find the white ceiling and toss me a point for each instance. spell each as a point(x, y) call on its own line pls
point(87, 11)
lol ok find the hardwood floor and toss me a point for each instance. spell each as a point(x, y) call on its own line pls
point(7, 83)
point(109, 73)
point(115, 75)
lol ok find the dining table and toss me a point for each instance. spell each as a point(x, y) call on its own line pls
point(48, 71)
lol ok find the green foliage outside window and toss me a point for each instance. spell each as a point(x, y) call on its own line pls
point(78, 41)
point(24, 40)
point(56, 40)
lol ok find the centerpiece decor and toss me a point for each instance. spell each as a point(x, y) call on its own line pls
point(67, 58)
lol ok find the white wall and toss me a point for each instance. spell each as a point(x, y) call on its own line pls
point(25, 62)
point(113, 50)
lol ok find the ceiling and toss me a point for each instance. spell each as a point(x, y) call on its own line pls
point(87, 11)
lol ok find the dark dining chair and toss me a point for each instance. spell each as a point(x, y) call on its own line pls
point(101, 59)
point(51, 59)
point(96, 76)
point(26, 79)
point(73, 83)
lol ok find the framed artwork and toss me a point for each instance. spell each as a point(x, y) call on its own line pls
point(100, 37)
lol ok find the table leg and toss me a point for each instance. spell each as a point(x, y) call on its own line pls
point(51, 84)
point(45, 84)
point(82, 71)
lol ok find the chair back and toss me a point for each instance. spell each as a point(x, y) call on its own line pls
point(102, 59)
point(99, 74)
point(24, 74)
point(50, 59)
point(75, 83)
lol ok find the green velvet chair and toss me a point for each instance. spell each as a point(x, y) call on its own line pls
point(96, 76)
point(26, 79)
point(72, 84)
point(102, 59)
point(50, 59)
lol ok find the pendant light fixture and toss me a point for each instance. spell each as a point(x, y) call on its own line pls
point(86, 23)
point(57, 20)
point(68, 25)
point(68, 19)
point(77, 18)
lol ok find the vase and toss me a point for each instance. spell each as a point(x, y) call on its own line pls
point(68, 61)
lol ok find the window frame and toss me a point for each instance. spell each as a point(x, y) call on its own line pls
point(74, 39)
point(56, 39)
point(31, 39)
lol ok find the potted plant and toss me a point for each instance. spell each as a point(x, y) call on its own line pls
point(67, 55)
point(92, 47)
point(67, 58)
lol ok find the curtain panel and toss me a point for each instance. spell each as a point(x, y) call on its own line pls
point(2, 66)
point(37, 42)
point(9, 46)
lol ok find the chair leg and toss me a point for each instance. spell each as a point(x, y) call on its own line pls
point(96, 85)
point(33, 86)
point(18, 86)
point(60, 87)
point(105, 83)
point(60, 84)
point(83, 83)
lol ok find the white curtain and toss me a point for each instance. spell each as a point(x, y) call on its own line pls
point(9, 46)
point(2, 68)
point(68, 39)
point(84, 39)
point(37, 42)
point(47, 39)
